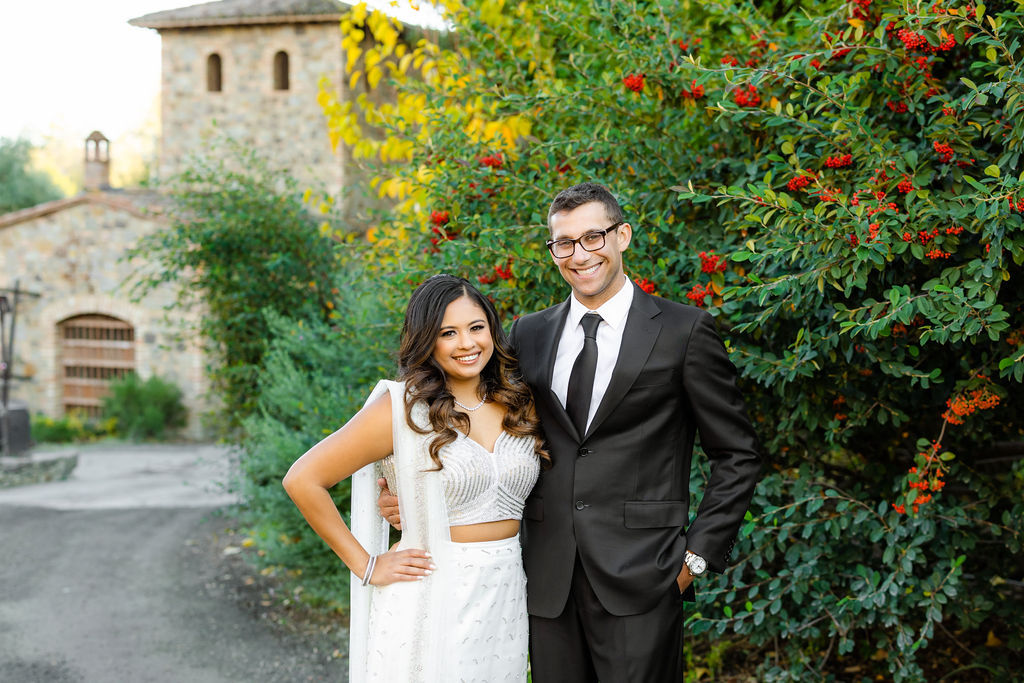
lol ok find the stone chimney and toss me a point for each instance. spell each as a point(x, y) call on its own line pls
point(97, 162)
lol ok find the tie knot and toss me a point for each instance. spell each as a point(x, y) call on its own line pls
point(590, 322)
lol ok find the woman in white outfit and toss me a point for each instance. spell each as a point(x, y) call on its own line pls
point(457, 438)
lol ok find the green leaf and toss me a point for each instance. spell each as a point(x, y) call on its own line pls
point(969, 83)
point(992, 170)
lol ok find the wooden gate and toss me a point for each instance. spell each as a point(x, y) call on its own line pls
point(94, 351)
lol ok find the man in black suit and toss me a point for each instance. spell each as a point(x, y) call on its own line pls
point(622, 382)
point(608, 552)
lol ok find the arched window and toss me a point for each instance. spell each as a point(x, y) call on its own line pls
point(94, 350)
point(213, 73)
point(281, 71)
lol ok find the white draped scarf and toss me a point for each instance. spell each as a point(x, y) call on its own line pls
point(409, 619)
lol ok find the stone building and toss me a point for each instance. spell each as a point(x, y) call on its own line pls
point(77, 328)
point(244, 69)
point(249, 70)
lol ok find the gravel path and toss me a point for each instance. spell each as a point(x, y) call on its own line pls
point(142, 594)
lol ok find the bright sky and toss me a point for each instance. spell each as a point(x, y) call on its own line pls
point(77, 66)
point(74, 66)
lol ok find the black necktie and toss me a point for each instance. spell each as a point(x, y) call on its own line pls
point(581, 380)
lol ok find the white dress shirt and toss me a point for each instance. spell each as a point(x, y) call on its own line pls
point(609, 338)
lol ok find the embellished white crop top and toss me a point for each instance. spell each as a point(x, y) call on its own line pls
point(481, 486)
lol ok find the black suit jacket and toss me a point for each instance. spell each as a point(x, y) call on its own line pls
point(619, 495)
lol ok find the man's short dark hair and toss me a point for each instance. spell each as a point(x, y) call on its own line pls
point(584, 193)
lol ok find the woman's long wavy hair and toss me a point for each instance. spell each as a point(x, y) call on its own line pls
point(424, 379)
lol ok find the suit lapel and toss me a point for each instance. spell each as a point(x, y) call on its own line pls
point(638, 337)
point(546, 350)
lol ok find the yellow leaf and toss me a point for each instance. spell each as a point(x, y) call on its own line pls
point(856, 23)
point(373, 76)
point(992, 640)
point(248, 543)
point(359, 13)
point(353, 57)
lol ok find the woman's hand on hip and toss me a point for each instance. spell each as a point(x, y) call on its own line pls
point(401, 565)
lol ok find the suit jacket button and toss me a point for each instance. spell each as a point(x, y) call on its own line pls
point(583, 452)
point(580, 505)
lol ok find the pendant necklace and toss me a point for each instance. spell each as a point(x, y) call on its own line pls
point(465, 407)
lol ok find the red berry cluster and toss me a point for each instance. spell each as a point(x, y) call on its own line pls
point(634, 82)
point(1015, 205)
point(954, 230)
point(827, 194)
point(860, 9)
point(930, 478)
point(898, 107)
point(948, 111)
point(938, 254)
point(439, 218)
point(799, 182)
point(926, 236)
point(964, 404)
point(729, 60)
point(905, 186)
point(645, 284)
point(891, 206)
point(697, 294)
point(684, 46)
point(911, 40)
point(711, 262)
point(495, 160)
point(695, 93)
point(746, 97)
point(944, 151)
point(873, 231)
point(839, 160)
point(816, 63)
point(500, 271)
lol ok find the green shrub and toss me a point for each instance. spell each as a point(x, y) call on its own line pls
point(838, 182)
point(240, 237)
point(71, 427)
point(313, 378)
point(144, 409)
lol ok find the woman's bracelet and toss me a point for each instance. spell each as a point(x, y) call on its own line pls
point(369, 570)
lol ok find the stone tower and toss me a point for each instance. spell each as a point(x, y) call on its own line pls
point(249, 70)
point(97, 162)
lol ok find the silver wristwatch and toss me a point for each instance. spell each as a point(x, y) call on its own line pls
point(695, 563)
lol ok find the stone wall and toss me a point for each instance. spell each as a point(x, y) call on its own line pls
point(287, 126)
point(72, 259)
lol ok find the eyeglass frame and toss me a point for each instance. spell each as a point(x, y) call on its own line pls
point(604, 240)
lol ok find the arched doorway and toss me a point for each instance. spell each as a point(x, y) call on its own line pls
point(94, 350)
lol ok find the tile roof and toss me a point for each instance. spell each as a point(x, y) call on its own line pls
point(242, 12)
point(139, 203)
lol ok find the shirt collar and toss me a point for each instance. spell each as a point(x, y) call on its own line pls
point(613, 311)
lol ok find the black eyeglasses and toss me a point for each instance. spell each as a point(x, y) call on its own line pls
point(591, 241)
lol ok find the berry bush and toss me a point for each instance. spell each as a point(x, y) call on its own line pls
point(839, 184)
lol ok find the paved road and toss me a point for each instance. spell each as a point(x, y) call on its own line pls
point(114, 592)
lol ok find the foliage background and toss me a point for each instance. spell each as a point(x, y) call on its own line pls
point(837, 183)
point(21, 186)
point(873, 308)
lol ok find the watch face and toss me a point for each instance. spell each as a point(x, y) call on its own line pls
point(697, 564)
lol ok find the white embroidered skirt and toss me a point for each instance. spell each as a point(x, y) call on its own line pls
point(485, 633)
